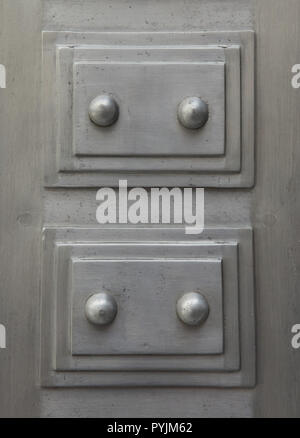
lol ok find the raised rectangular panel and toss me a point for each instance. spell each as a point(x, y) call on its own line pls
point(147, 146)
point(148, 94)
point(64, 293)
point(231, 161)
point(146, 271)
point(146, 292)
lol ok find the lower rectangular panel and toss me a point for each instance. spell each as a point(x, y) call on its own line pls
point(146, 292)
point(147, 271)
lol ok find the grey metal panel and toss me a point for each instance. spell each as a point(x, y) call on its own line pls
point(21, 206)
point(117, 15)
point(230, 360)
point(208, 54)
point(62, 208)
point(234, 169)
point(148, 94)
point(85, 243)
point(147, 403)
point(146, 292)
point(276, 206)
point(272, 207)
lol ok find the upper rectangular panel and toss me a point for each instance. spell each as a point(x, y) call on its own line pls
point(148, 75)
point(146, 271)
point(148, 96)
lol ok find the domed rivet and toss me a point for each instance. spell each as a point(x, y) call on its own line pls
point(101, 308)
point(104, 110)
point(192, 308)
point(192, 113)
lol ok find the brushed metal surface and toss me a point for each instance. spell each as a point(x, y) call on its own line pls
point(79, 259)
point(76, 65)
point(271, 208)
point(146, 292)
point(149, 92)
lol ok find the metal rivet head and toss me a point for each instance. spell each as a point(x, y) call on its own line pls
point(101, 309)
point(192, 308)
point(104, 110)
point(192, 112)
